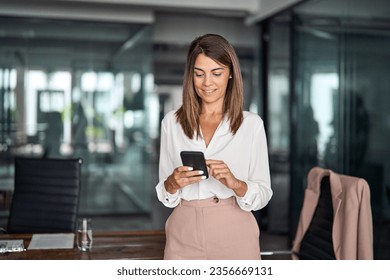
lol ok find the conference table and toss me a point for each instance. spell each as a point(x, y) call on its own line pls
point(135, 245)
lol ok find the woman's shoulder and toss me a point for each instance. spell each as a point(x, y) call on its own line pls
point(170, 116)
point(252, 118)
point(170, 121)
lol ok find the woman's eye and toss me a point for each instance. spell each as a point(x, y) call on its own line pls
point(198, 75)
point(217, 74)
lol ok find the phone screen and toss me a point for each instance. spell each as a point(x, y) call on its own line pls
point(195, 160)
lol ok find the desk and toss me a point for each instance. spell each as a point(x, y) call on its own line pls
point(141, 245)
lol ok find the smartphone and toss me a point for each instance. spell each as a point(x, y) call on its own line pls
point(195, 160)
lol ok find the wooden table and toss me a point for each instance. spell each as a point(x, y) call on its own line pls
point(141, 245)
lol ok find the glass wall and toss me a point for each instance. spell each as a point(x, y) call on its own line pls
point(327, 95)
point(341, 54)
point(82, 90)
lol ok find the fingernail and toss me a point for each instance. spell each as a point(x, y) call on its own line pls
point(201, 172)
point(203, 177)
point(190, 168)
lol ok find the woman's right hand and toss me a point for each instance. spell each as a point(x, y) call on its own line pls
point(182, 176)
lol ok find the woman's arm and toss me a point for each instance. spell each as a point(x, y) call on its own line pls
point(165, 169)
point(259, 190)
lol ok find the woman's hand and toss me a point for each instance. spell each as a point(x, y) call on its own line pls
point(220, 171)
point(182, 176)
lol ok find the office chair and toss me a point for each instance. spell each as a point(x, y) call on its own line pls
point(336, 219)
point(46, 195)
point(335, 222)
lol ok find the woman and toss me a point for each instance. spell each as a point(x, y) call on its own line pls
point(212, 218)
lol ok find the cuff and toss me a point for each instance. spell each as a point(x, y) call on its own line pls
point(168, 197)
point(246, 202)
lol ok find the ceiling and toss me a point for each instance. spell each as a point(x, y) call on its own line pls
point(139, 11)
point(110, 34)
point(375, 10)
point(86, 34)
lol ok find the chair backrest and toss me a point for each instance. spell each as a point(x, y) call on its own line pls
point(317, 242)
point(46, 195)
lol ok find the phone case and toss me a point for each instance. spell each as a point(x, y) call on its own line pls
point(196, 160)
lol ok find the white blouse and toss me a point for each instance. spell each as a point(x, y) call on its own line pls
point(245, 153)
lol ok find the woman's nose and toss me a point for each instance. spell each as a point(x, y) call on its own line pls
point(207, 80)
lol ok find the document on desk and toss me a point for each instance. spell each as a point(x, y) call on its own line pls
point(51, 241)
point(11, 245)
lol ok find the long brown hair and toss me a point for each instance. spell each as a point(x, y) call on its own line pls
point(221, 51)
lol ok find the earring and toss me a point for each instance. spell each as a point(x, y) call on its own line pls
point(230, 77)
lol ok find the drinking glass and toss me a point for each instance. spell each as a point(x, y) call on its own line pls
point(3, 248)
point(84, 234)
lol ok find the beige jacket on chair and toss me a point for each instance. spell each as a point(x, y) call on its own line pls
point(352, 224)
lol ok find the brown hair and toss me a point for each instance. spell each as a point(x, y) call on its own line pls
point(221, 51)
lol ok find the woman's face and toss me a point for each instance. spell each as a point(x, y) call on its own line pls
point(210, 80)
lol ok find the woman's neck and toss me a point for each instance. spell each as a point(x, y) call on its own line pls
point(211, 111)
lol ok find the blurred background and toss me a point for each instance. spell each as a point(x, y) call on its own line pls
point(92, 79)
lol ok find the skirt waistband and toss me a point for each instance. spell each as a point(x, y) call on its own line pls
point(209, 202)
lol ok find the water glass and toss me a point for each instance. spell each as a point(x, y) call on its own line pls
point(3, 248)
point(84, 234)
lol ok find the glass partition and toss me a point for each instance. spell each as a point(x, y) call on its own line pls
point(86, 90)
point(340, 92)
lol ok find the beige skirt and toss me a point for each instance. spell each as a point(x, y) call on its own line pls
point(211, 229)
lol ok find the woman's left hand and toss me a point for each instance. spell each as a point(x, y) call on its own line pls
point(220, 171)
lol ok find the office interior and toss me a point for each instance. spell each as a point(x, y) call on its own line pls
point(93, 79)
